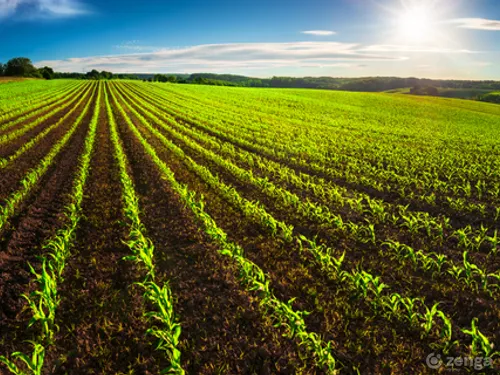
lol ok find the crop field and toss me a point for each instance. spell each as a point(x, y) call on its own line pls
point(149, 227)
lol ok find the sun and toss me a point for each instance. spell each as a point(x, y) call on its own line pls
point(416, 23)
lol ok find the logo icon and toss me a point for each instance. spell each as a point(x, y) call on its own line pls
point(433, 361)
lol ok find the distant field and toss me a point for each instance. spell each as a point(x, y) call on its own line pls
point(462, 93)
point(224, 230)
point(404, 90)
point(448, 92)
point(15, 79)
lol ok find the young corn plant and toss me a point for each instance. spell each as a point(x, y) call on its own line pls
point(250, 273)
point(481, 345)
point(428, 316)
point(44, 302)
point(165, 327)
point(494, 241)
point(34, 364)
point(30, 181)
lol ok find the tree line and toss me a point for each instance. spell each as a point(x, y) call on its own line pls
point(23, 67)
point(492, 97)
point(365, 84)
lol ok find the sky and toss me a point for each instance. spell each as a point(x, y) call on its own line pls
point(440, 39)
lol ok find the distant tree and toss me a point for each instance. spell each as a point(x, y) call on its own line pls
point(58, 75)
point(426, 90)
point(94, 74)
point(46, 72)
point(106, 75)
point(21, 67)
point(431, 90)
point(2, 69)
point(492, 97)
point(160, 78)
point(415, 90)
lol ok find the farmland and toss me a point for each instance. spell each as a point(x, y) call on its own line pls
point(225, 230)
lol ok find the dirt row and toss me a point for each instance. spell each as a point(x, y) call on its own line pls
point(337, 314)
point(38, 219)
point(47, 108)
point(458, 218)
point(404, 278)
point(223, 328)
point(456, 300)
point(50, 102)
point(11, 175)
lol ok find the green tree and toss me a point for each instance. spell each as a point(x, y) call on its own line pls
point(21, 67)
point(106, 75)
point(2, 69)
point(94, 74)
point(46, 72)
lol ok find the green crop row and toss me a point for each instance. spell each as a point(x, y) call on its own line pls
point(16, 133)
point(251, 275)
point(39, 137)
point(40, 99)
point(44, 301)
point(165, 327)
point(30, 181)
point(392, 304)
point(310, 211)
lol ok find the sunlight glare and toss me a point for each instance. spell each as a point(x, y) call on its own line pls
point(416, 23)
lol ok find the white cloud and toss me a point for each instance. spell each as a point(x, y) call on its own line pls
point(404, 48)
point(481, 64)
point(30, 9)
point(334, 65)
point(319, 32)
point(134, 45)
point(224, 57)
point(478, 24)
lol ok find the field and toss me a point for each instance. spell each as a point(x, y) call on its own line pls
point(215, 230)
point(492, 97)
point(14, 79)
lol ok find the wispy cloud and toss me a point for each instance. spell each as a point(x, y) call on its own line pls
point(224, 57)
point(416, 49)
point(135, 45)
point(319, 32)
point(481, 64)
point(478, 24)
point(32, 9)
point(334, 65)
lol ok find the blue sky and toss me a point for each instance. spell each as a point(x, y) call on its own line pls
point(424, 38)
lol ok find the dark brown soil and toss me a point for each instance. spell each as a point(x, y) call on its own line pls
point(11, 176)
point(291, 277)
point(100, 316)
point(47, 105)
point(441, 207)
point(223, 329)
point(20, 244)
